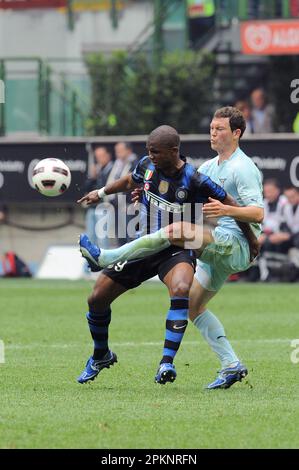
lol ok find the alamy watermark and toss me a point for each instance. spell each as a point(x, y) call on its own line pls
point(122, 221)
point(295, 352)
point(2, 353)
point(295, 93)
point(2, 92)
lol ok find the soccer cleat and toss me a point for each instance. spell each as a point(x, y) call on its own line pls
point(94, 366)
point(165, 373)
point(228, 376)
point(90, 252)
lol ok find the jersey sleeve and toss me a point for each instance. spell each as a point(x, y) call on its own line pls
point(139, 170)
point(249, 186)
point(203, 167)
point(204, 188)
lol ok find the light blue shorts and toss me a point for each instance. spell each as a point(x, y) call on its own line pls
point(227, 255)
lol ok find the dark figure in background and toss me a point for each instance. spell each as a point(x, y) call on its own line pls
point(201, 19)
point(245, 109)
point(291, 219)
point(275, 239)
point(2, 215)
point(2, 209)
point(262, 112)
point(98, 176)
point(125, 161)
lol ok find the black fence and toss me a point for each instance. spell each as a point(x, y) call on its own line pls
point(276, 156)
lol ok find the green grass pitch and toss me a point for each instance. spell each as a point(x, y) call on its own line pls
point(47, 343)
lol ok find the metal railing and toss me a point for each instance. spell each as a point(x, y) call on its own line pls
point(151, 38)
point(227, 10)
point(72, 108)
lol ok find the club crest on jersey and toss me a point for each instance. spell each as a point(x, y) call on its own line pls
point(148, 174)
point(181, 194)
point(222, 181)
point(163, 187)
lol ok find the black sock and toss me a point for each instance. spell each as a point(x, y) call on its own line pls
point(98, 323)
point(176, 324)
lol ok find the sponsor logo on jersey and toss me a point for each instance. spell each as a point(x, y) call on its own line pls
point(147, 175)
point(164, 205)
point(163, 187)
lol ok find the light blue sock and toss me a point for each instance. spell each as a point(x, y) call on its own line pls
point(213, 332)
point(140, 248)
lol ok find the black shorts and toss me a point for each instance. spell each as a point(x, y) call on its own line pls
point(132, 273)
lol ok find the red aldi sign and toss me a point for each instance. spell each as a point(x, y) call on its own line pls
point(270, 37)
point(27, 4)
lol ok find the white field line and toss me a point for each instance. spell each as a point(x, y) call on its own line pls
point(138, 344)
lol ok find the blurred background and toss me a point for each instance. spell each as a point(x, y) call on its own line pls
point(86, 80)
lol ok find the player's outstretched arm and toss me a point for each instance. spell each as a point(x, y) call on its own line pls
point(124, 184)
point(221, 204)
point(229, 208)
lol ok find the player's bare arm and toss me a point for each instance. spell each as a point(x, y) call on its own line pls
point(249, 214)
point(124, 184)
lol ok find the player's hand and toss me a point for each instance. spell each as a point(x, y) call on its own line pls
point(136, 195)
point(90, 198)
point(262, 239)
point(214, 208)
point(254, 248)
point(279, 237)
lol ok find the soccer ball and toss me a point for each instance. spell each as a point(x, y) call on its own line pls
point(51, 177)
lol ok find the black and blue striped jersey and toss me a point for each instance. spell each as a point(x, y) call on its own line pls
point(166, 199)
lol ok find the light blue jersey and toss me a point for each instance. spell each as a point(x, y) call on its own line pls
point(240, 178)
point(230, 251)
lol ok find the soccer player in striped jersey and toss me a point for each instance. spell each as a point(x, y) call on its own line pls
point(169, 183)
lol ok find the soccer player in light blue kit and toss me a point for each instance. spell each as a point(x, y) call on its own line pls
point(228, 250)
point(225, 249)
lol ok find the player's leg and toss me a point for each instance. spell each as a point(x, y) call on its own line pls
point(212, 329)
point(181, 234)
point(105, 291)
point(142, 247)
point(178, 280)
point(209, 325)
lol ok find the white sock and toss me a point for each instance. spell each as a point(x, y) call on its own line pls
point(213, 332)
point(137, 249)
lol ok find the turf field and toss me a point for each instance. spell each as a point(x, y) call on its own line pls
point(47, 343)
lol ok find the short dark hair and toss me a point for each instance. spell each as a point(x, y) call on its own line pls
point(236, 118)
point(273, 182)
point(99, 146)
point(127, 145)
point(289, 188)
point(241, 105)
point(166, 136)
